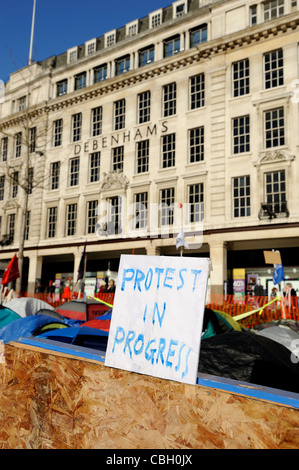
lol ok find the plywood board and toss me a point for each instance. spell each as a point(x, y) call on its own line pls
point(53, 402)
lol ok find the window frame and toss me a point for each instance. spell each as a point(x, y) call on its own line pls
point(169, 99)
point(168, 149)
point(238, 196)
point(273, 130)
point(196, 152)
point(241, 134)
point(273, 74)
point(197, 91)
point(94, 167)
point(74, 172)
point(142, 156)
point(241, 78)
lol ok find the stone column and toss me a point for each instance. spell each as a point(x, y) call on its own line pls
point(218, 255)
point(35, 271)
point(152, 249)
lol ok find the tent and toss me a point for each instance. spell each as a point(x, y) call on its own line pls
point(7, 316)
point(27, 306)
point(28, 326)
point(282, 333)
point(216, 322)
point(248, 357)
point(81, 336)
point(82, 309)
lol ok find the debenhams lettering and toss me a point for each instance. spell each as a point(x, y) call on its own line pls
point(120, 138)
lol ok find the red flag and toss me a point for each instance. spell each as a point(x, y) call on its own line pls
point(12, 271)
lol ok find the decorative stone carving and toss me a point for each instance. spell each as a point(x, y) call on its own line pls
point(114, 180)
point(273, 156)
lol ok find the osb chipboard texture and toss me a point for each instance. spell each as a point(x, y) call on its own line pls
point(52, 402)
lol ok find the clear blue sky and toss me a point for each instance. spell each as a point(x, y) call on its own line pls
point(61, 24)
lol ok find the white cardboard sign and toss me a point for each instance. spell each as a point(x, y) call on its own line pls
point(157, 317)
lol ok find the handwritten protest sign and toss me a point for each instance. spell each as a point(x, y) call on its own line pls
point(157, 316)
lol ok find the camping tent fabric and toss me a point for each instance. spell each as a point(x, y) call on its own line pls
point(7, 316)
point(283, 335)
point(245, 356)
point(27, 306)
point(80, 336)
point(27, 326)
point(216, 322)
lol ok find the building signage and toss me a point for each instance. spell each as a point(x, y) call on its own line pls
point(239, 282)
point(157, 316)
point(120, 138)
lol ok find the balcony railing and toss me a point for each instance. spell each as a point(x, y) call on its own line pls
point(272, 210)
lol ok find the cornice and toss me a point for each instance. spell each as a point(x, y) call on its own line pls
point(203, 52)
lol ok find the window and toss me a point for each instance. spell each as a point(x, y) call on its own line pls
point(119, 114)
point(4, 149)
point(196, 144)
point(198, 35)
point(94, 169)
point(275, 188)
point(32, 139)
point(57, 133)
point(110, 38)
point(11, 227)
point(169, 100)
point(71, 219)
point(61, 88)
point(54, 175)
point(72, 55)
point(97, 119)
point(80, 81)
point(27, 225)
point(2, 187)
point(179, 9)
point(274, 128)
point(142, 158)
point(197, 91)
point(241, 77)
point(18, 144)
point(168, 151)
point(167, 206)
point(52, 220)
point(114, 217)
point(100, 73)
point(74, 171)
point(241, 196)
point(122, 65)
point(140, 205)
point(30, 180)
point(21, 103)
point(146, 56)
point(195, 200)
point(155, 18)
point(77, 127)
point(273, 9)
point(15, 184)
point(92, 207)
point(118, 158)
point(241, 134)
point(253, 15)
point(273, 68)
point(144, 107)
point(90, 47)
point(171, 46)
point(132, 29)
